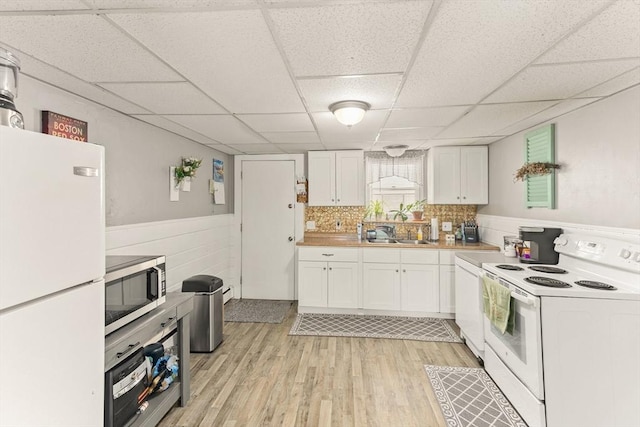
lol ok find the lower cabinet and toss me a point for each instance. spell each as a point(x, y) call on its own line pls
point(328, 283)
point(381, 286)
point(447, 289)
point(410, 284)
point(419, 288)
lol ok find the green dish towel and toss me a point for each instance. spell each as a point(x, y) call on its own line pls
point(497, 305)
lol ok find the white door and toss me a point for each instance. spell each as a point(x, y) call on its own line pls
point(342, 285)
point(447, 289)
point(268, 226)
point(474, 175)
point(350, 178)
point(381, 284)
point(420, 288)
point(312, 284)
point(322, 178)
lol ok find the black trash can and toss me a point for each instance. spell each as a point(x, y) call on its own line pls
point(207, 314)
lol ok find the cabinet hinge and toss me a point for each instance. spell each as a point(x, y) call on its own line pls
point(241, 227)
point(241, 280)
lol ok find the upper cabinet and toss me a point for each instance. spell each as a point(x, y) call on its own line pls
point(458, 175)
point(336, 178)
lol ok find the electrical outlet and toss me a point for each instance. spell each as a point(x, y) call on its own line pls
point(311, 225)
point(338, 224)
point(446, 226)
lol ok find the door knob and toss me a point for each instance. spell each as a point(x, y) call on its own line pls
point(290, 239)
point(290, 205)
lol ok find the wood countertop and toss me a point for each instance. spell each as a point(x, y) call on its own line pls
point(350, 240)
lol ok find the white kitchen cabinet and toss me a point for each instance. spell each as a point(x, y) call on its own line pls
point(323, 283)
point(419, 288)
point(458, 175)
point(408, 283)
point(447, 289)
point(336, 178)
point(381, 284)
point(312, 283)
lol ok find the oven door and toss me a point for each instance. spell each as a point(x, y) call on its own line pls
point(521, 351)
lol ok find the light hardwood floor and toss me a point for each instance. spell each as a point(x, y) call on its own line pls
point(261, 376)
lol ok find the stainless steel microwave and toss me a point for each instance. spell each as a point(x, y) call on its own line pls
point(134, 285)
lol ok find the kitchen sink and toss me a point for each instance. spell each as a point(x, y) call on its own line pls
point(382, 241)
point(412, 242)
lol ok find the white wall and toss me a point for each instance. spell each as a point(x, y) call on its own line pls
point(598, 185)
point(192, 246)
point(138, 157)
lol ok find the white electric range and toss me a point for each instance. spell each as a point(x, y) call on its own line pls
point(574, 356)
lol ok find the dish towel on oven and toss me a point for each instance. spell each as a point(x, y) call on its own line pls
point(497, 305)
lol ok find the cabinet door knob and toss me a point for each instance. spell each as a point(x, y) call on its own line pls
point(338, 199)
point(397, 271)
point(324, 268)
point(290, 205)
point(404, 271)
point(464, 197)
point(458, 197)
point(290, 239)
point(330, 268)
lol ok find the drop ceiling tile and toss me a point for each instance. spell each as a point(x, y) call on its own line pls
point(230, 55)
point(459, 141)
point(474, 46)
point(86, 46)
point(224, 129)
point(559, 81)
point(614, 33)
point(364, 38)
point(425, 117)
point(486, 120)
point(31, 67)
point(345, 145)
point(292, 137)
point(296, 122)
point(22, 5)
point(259, 149)
point(377, 90)
point(174, 4)
point(167, 124)
point(407, 134)
point(226, 149)
point(300, 148)
point(614, 85)
point(166, 97)
point(329, 128)
point(548, 114)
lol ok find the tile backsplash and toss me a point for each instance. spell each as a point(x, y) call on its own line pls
point(326, 217)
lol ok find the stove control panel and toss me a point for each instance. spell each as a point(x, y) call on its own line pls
point(613, 253)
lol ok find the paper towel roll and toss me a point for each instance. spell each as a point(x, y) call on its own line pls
point(434, 229)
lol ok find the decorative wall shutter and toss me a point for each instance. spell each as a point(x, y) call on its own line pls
point(540, 147)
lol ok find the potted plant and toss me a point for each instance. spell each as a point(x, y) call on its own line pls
point(417, 209)
point(375, 209)
point(187, 170)
point(401, 212)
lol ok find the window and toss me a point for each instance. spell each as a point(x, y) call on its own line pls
point(394, 180)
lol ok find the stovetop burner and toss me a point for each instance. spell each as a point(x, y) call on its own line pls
point(546, 269)
point(547, 281)
point(595, 285)
point(509, 267)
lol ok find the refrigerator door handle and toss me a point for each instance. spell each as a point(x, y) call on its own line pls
point(85, 171)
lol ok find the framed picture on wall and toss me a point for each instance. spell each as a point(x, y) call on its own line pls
point(218, 182)
point(64, 126)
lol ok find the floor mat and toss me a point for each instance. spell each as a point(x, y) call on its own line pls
point(366, 326)
point(256, 311)
point(468, 397)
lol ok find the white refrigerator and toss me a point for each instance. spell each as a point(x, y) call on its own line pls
point(52, 247)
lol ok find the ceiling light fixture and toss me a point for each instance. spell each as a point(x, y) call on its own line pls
point(349, 112)
point(395, 150)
